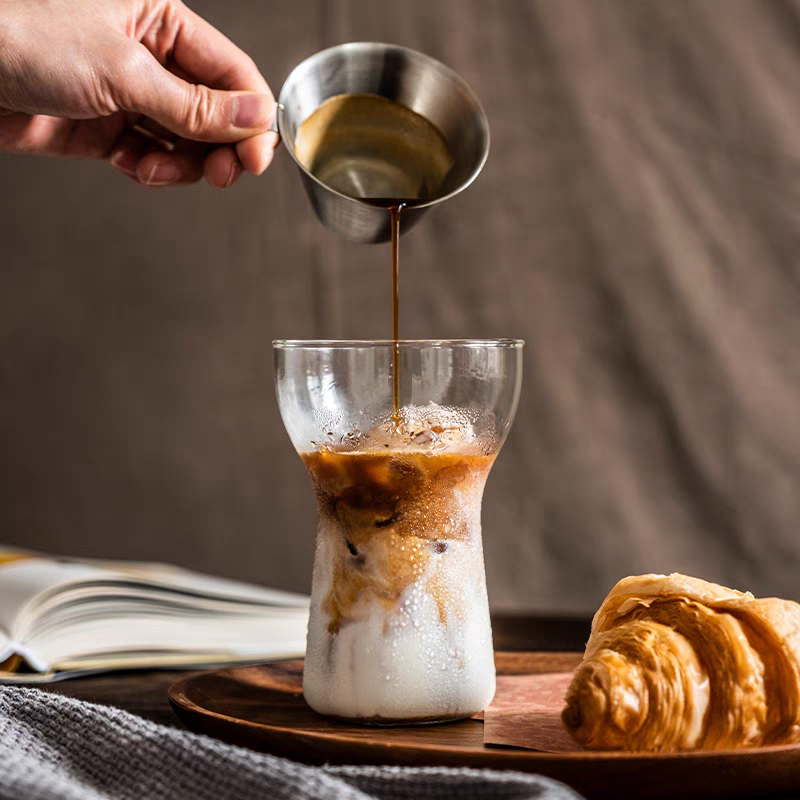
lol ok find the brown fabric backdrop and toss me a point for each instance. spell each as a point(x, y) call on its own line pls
point(638, 223)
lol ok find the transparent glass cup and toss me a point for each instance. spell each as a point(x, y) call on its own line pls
point(399, 631)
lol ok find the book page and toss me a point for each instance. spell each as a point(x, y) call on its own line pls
point(175, 578)
point(148, 573)
point(24, 579)
point(133, 639)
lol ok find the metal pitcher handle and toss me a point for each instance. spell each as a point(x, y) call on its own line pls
point(274, 124)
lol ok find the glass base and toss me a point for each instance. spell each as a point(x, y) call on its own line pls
point(385, 722)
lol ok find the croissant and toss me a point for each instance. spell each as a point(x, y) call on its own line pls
point(677, 663)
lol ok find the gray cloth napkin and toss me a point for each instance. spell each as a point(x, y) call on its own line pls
point(58, 747)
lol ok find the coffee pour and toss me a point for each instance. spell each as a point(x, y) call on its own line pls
point(376, 128)
point(382, 153)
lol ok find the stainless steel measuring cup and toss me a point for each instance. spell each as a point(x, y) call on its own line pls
point(404, 76)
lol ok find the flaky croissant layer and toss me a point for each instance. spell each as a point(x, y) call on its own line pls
point(677, 663)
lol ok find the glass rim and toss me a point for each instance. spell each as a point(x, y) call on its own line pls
point(403, 344)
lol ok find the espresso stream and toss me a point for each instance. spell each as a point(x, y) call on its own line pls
point(395, 207)
point(383, 153)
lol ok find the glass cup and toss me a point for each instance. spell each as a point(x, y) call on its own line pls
point(399, 631)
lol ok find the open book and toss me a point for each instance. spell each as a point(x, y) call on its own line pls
point(62, 617)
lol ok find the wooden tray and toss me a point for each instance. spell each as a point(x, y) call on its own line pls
point(262, 707)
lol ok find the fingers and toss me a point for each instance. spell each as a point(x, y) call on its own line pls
point(54, 136)
point(229, 103)
point(23, 133)
point(191, 111)
point(210, 57)
point(168, 169)
point(256, 153)
point(222, 167)
point(143, 160)
point(156, 168)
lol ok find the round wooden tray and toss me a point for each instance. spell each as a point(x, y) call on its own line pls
point(262, 707)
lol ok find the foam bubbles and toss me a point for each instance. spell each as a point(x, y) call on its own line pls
point(432, 427)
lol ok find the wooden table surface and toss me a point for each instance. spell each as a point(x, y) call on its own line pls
point(145, 692)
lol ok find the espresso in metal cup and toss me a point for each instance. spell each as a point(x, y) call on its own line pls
point(362, 151)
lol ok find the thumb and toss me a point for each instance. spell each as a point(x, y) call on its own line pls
point(190, 110)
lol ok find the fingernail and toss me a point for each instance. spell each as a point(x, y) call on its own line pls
point(125, 160)
point(161, 173)
point(234, 173)
point(252, 110)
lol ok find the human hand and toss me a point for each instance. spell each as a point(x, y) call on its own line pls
point(102, 78)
